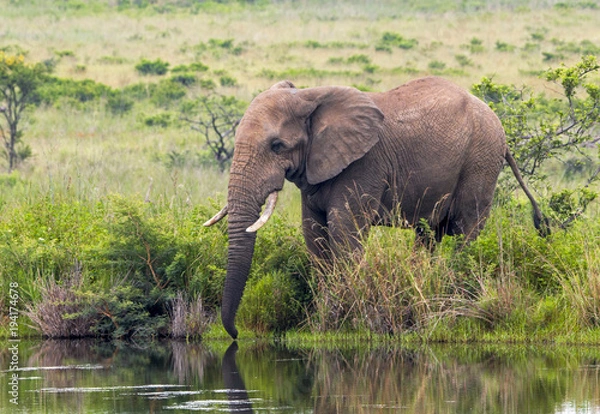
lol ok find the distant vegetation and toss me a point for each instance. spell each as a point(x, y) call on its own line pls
point(120, 154)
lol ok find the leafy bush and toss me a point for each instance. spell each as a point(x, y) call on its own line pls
point(278, 291)
point(162, 120)
point(139, 91)
point(463, 60)
point(192, 67)
point(185, 79)
point(73, 91)
point(118, 103)
point(539, 129)
point(504, 47)
point(474, 46)
point(152, 67)
point(436, 65)
point(19, 88)
point(167, 93)
point(227, 80)
point(390, 40)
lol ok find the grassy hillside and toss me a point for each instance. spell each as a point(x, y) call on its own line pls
point(73, 217)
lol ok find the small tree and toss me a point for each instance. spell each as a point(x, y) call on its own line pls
point(19, 82)
point(539, 128)
point(216, 118)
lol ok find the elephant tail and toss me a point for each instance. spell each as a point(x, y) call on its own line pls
point(540, 222)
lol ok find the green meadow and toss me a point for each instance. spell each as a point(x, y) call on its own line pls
point(101, 222)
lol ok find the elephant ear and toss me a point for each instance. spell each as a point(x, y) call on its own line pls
point(344, 126)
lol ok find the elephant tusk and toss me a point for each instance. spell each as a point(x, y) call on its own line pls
point(217, 217)
point(271, 202)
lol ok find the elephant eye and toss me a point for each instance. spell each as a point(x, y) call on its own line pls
point(277, 146)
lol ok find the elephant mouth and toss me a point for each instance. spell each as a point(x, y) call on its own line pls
point(262, 220)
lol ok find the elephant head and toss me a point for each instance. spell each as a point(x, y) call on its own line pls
point(307, 136)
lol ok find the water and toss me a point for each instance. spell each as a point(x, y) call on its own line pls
point(171, 377)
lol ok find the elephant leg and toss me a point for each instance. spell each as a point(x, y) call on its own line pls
point(347, 230)
point(316, 236)
point(469, 213)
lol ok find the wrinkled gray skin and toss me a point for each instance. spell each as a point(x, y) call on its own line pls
point(425, 150)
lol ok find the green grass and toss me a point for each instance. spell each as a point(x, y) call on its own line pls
point(92, 168)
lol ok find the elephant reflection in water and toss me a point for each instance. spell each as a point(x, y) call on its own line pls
point(239, 401)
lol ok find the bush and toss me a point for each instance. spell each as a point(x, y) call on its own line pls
point(270, 303)
point(118, 103)
point(73, 91)
point(167, 92)
point(391, 40)
point(192, 67)
point(162, 120)
point(152, 67)
point(185, 79)
point(539, 129)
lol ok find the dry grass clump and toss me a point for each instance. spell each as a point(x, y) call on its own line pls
point(60, 312)
point(188, 317)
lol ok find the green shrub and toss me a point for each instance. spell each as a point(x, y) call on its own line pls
point(118, 103)
point(270, 303)
point(185, 78)
point(360, 58)
point(278, 291)
point(162, 120)
point(390, 40)
point(192, 67)
point(167, 93)
point(55, 89)
point(436, 65)
point(227, 80)
point(139, 91)
point(152, 67)
point(474, 46)
point(504, 47)
point(463, 60)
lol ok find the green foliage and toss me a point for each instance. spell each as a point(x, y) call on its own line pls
point(72, 91)
point(228, 81)
point(538, 128)
point(270, 303)
point(360, 58)
point(132, 260)
point(314, 44)
point(192, 67)
point(118, 103)
point(167, 93)
point(127, 311)
point(219, 47)
point(19, 85)
point(152, 67)
point(391, 40)
point(474, 46)
point(504, 47)
point(162, 120)
point(463, 60)
point(216, 118)
point(278, 291)
point(185, 79)
point(436, 65)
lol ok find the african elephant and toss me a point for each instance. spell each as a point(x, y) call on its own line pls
point(427, 150)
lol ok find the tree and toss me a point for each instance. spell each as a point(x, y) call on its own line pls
point(19, 82)
point(216, 118)
point(539, 128)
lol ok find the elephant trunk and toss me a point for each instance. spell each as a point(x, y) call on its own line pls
point(244, 210)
